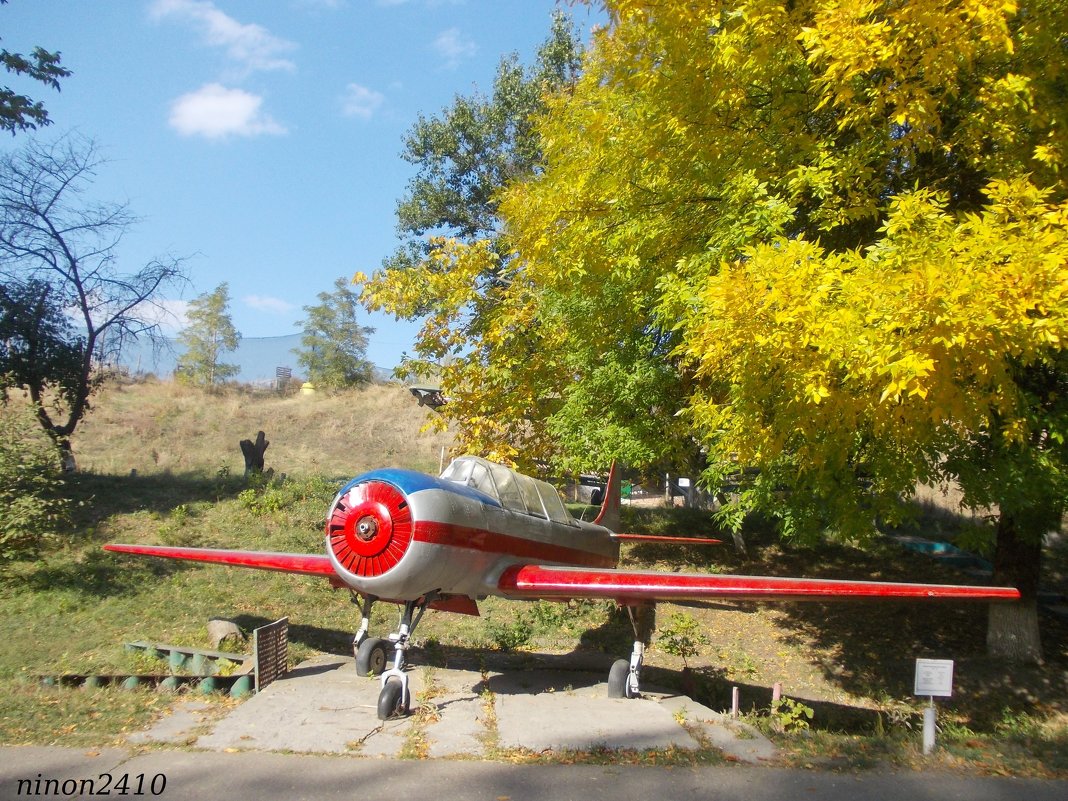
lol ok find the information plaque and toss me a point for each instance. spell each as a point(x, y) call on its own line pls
point(934, 677)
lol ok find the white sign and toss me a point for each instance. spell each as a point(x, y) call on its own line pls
point(684, 483)
point(934, 677)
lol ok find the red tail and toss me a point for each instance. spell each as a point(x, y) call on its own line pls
point(609, 514)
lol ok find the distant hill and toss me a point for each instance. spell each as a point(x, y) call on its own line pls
point(257, 357)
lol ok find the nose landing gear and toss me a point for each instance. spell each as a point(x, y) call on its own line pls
point(371, 653)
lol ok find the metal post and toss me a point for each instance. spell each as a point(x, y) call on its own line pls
point(929, 728)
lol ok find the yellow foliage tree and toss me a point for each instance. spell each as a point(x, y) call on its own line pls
point(825, 239)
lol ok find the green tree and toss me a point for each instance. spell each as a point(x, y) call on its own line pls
point(467, 153)
point(38, 349)
point(58, 257)
point(822, 240)
point(208, 336)
point(334, 344)
point(17, 111)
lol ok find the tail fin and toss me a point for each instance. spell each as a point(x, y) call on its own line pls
point(609, 514)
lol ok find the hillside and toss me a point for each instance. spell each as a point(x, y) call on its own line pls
point(153, 426)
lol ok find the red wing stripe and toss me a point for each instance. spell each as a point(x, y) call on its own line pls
point(307, 564)
point(537, 581)
point(478, 539)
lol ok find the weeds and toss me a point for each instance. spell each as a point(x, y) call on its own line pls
point(791, 715)
point(490, 738)
point(424, 713)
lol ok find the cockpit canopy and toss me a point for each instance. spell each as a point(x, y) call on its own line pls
point(514, 491)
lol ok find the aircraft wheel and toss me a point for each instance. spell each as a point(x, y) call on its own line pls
point(619, 679)
point(392, 701)
point(371, 657)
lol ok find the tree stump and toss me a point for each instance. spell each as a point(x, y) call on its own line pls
point(253, 453)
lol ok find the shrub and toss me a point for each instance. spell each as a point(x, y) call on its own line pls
point(31, 504)
point(681, 637)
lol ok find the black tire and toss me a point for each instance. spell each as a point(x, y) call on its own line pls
point(392, 701)
point(371, 657)
point(619, 679)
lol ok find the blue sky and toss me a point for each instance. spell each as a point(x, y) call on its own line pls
point(261, 139)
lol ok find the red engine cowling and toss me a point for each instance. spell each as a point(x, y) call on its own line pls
point(369, 529)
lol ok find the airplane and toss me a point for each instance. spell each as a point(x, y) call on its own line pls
point(482, 529)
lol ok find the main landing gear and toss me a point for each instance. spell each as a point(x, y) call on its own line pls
point(371, 654)
point(623, 678)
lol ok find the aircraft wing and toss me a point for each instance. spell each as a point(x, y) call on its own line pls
point(306, 564)
point(634, 587)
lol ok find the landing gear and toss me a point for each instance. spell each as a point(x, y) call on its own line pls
point(363, 654)
point(371, 656)
point(394, 700)
point(619, 679)
point(624, 677)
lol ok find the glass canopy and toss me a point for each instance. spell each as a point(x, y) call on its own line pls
point(514, 491)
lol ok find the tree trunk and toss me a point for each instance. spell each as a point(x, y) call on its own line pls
point(253, 453)
point(66, 455)
point(1012, 630)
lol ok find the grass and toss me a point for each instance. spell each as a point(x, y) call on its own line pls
point(74, 608)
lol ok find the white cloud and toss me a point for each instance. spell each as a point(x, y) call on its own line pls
point(251, 46)
point(359, 101)
point(266, 303)
point(214, 112)
point(454, 47)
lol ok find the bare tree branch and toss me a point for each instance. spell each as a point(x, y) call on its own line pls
point(50, 234)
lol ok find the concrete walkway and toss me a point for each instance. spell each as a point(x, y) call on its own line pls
point(323, 707)
point(177, 775)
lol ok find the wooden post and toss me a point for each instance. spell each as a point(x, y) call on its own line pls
point(253, 453)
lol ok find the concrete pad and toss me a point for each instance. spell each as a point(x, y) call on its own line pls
point(550, 710)
point(737, 740)
point(460, 728)
point(179, 726)
point(559, 721)
point(321, 706)
point(537, 681)
point(324, 707)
